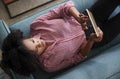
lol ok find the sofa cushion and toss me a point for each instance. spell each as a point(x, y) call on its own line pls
point(103, 66)
point(100, 50)
point(115, 76)
point(81, 5)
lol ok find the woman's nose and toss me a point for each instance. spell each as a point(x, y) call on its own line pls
point(37, 41)
point(38, 44)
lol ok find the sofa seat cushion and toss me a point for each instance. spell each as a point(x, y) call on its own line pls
point(102, 66)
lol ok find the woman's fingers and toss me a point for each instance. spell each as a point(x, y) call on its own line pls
point(100, 37)
point(85, 26)
point(100, 32)
point(95, 38)
point(84, 17)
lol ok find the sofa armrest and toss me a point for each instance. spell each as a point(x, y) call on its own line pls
point(4, 31)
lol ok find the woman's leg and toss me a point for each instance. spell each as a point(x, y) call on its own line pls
point(102, 10)
point(111, 30)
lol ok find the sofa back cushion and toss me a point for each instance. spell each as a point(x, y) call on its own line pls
point(24, 24)
point(81, 5)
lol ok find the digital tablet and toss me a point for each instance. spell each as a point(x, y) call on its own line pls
point(93, 22)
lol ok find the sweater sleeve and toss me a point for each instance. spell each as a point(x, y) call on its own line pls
point(59, 12)
point(55, 62)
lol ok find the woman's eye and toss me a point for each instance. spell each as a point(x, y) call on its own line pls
point(33, 41)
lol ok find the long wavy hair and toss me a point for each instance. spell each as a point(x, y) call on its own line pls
point(16, 56)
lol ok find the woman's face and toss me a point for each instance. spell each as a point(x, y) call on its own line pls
point(35, 45)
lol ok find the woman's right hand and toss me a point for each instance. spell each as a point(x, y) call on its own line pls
point(94, 38)
point(83, 20)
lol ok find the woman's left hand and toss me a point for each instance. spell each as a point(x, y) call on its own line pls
point(83, 19)
point(95, 38)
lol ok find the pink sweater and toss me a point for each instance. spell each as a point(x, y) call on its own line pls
point(65, 34)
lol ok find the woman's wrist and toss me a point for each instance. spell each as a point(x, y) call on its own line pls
point(87, 48)
point(74, 12)
point(92, 37)
point(91, 40)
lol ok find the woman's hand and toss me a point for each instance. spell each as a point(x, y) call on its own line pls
point(83, 19)
point(94, 38)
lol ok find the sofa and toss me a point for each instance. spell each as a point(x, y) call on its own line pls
point(101, 63)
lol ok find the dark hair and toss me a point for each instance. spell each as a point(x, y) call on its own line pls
point(16, 56)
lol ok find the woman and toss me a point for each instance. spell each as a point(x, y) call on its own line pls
point(57, 40)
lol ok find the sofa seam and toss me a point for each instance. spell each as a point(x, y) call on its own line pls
point(112, 75)
point(6, 28)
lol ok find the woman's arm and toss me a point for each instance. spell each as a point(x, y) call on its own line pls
point(81, 18)
point(93, 38)
point(87, 48)
point(74, 12)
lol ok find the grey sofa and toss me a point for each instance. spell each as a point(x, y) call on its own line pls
point(102, 63)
